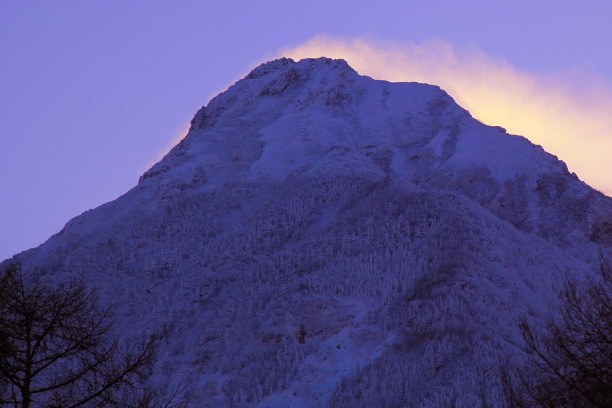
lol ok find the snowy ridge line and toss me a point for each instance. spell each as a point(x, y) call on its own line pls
point(323, 239)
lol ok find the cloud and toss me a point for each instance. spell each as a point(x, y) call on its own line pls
point(569, 114)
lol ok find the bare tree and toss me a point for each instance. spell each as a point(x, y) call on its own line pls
point(570, 365)
point(57, 349)
point(175, 395)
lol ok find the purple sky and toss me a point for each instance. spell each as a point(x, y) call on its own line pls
point(93, 93)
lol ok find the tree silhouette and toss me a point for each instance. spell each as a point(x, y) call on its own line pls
point(56, 346)
point(570, 365)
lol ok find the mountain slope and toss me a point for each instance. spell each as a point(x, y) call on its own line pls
point(320, 238)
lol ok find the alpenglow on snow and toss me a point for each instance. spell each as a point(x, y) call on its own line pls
point(323, 239)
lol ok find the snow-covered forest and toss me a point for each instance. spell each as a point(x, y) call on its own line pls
point(321, 239)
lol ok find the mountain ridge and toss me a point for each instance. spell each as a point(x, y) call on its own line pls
point(200, 159)
point(320, 238)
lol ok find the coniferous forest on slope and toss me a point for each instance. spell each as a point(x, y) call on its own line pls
point(339, 288)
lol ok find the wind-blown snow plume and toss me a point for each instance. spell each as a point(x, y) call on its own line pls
point(567, 114)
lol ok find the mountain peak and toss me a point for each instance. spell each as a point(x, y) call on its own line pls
point(304, 64)
point(323, 239)
point(319, 115)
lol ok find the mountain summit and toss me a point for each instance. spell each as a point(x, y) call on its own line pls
point(324, 239)
point(319, 115)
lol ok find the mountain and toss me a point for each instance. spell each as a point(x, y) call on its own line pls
point(324, 239)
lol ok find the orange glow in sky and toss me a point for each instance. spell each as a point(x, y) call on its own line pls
point(569, 114)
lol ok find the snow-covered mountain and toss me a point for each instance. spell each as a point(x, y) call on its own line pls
point(323, 239)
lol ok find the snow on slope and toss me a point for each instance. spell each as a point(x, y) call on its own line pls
point(299, 118)
point(319, 116)
point(323, 239)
